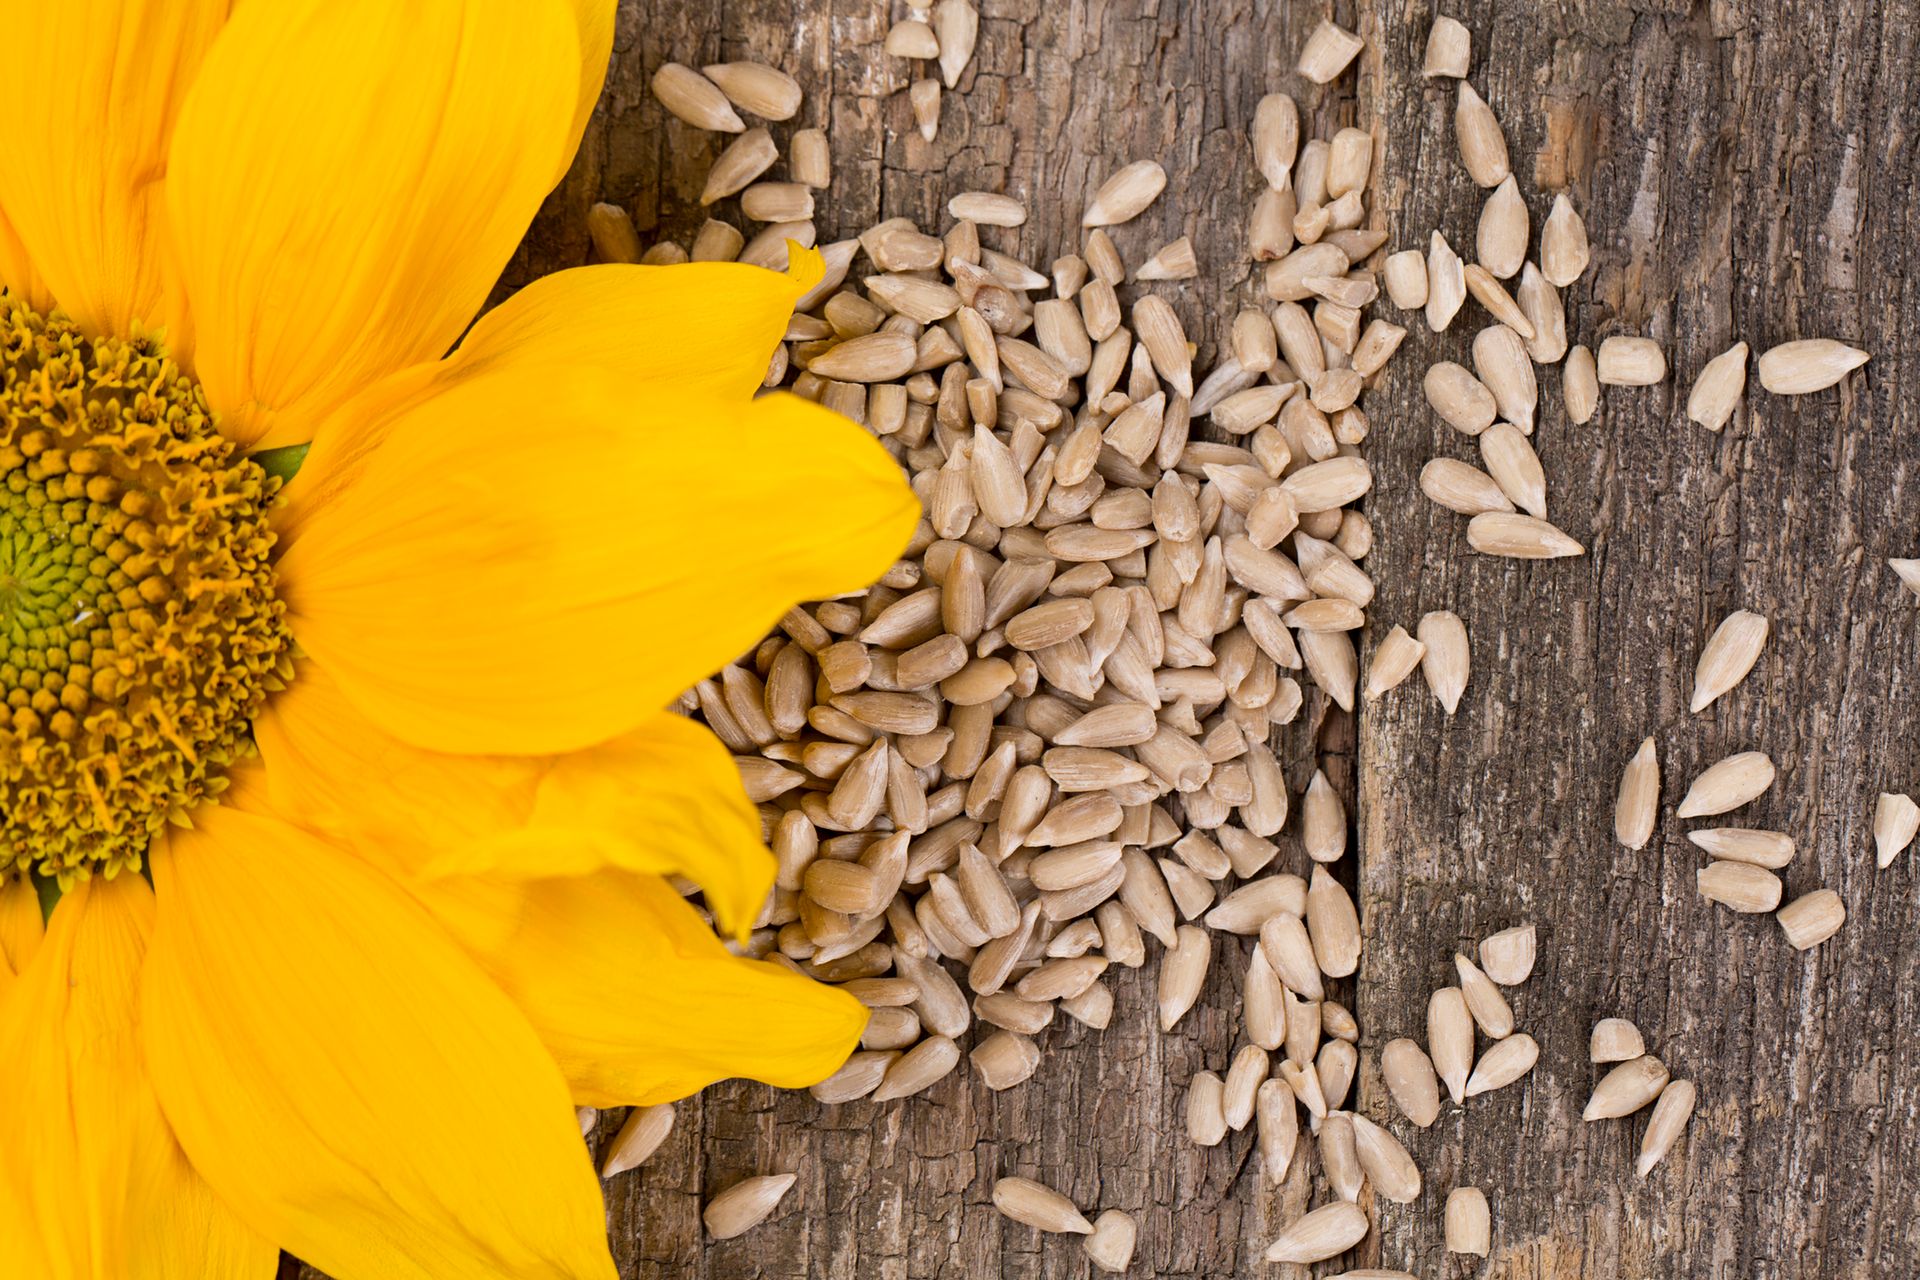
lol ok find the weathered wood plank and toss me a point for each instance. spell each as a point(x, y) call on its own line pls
point(1743, 170)
point(1742, 178)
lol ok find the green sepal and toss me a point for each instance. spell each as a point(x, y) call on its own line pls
point(49, 890)
point(283, 462)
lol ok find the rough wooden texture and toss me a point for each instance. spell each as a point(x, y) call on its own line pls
point(1744, 172)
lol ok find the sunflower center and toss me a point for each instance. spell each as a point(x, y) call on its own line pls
point(139, 630)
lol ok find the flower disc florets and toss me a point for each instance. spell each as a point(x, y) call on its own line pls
point(139, 629)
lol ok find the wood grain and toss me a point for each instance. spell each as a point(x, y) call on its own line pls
point(1744, 170)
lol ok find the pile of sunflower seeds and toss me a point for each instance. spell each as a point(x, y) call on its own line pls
point(1046, 735)
point(1635, 1079)
point(1740, 874)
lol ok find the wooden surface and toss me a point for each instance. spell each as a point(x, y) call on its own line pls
point(1745, 172)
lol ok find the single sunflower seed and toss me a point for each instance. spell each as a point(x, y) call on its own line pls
point(1326, 1232)
point(1468, 1225)
point(1563, 244)
point(1276, 140)
point(1501, 361)
point(1483, 146)
point(1500, 242)
point(1005, 1059)
point(1385, 1159)
point(1276, 1126)
point(1503, 1063)
point(1811, 364)
point(1328, 52)
point(745, 1204)
point(1523, 537)
point(1394, 659)
point(1206, 1115)
point(1450, 1039)
point(1446, 282)
point(1896, 820)
point(1410, 1079)
point(1515, 467)
point(1449, 49)
point(1638, 804)
point(1183, 971)
point(1728, 655)
point(757, 89)
point(695, 99)
point(1770, 849)
point(1404, 275)
point(1456, 395)
point(1630, 362)
point(1507, 956)
point(1718, 387)
point(1580, 385)
point(1812, 918)
point(639, 1137)
point(1126, 195)
point(1615, 1040)
point(1484, 1001)
point(1627, 1088)
point(746, 158)
point(1727, 785)
point(1111, 1243)
point(1670, 1115)
point(1340, 1155)
point(1447, 663)
point(1039, 1206)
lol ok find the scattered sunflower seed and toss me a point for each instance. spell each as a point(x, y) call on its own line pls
point(1507, 956)
point(1638, 804)
point(1627, 1088)
point(1631, 362)
point(745, 1204)
point(1811, 364)
point(639, 1137)
point(1039, 1206)
point(1503, 1063)
point(1615, 1040)
point(1125, 195)
point(1449, 49)
point(1727, 785)
point(1718, 387)
point(1469, 1227)
point(1729, 654)
point(695, 99)
point(1110, 1245)
point(1326, 1232)
point(1328, 52)
point(1896, 820)
point(1670, 1115)
point(1812, 918)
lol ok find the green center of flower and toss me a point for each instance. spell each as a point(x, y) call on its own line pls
point(139, 629)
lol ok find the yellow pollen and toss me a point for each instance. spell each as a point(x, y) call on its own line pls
point(139, 629)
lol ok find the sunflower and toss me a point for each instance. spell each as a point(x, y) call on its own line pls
point(340, 816)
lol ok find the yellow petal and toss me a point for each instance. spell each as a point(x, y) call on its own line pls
point(532, 565)
point(596, 46)
point(17, 274)
point(672, 791)
point(348, 178)
point(640, 1003)
point(21, 925)
point(345, 1076)
point(99, 1185)
point(665, 798)
point(90, 98)
point(704, 327)
point(334, 771)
